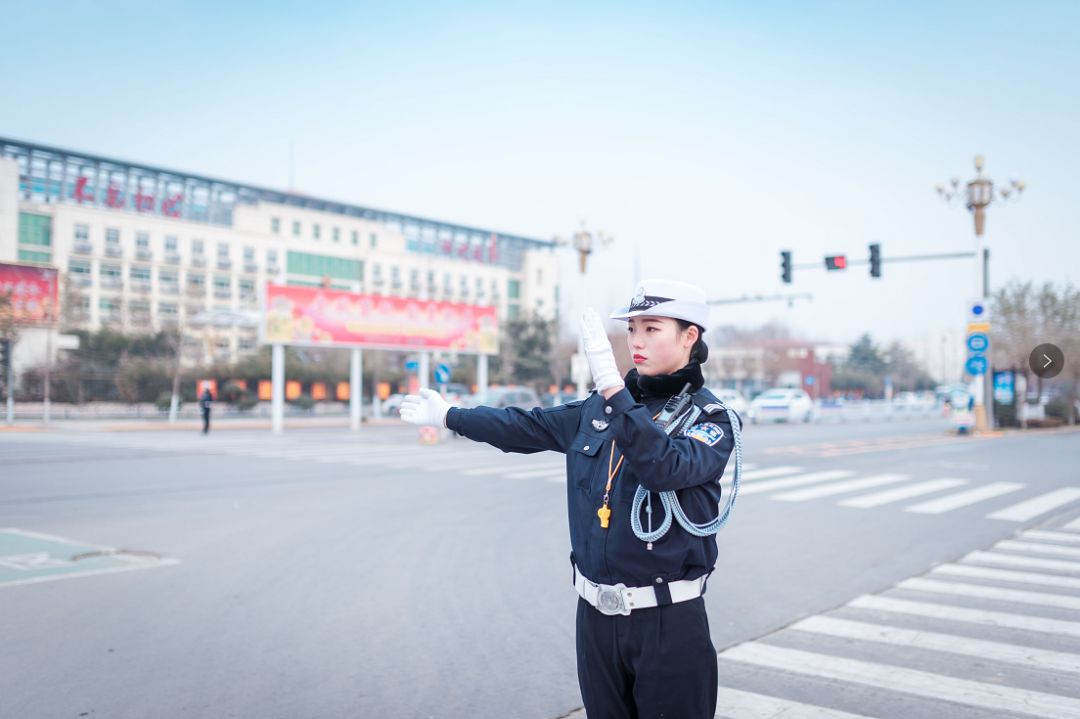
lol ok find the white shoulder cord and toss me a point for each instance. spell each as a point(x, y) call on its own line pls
point(670, 500)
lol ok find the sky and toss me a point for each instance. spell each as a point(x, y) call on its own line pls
point(704, 137)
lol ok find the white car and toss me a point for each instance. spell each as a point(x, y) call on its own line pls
point(733, 399)
point(782, 405)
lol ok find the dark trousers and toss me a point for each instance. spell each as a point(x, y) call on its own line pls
point(205, 421)
point(655, 663)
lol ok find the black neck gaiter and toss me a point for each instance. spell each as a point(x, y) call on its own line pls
point(663, 386)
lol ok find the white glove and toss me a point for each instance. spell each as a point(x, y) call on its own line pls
point(426, 409)
point(599, 353)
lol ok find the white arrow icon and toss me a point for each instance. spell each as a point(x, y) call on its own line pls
point(1048, 362)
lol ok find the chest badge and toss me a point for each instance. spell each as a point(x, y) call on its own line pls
point(599, 425)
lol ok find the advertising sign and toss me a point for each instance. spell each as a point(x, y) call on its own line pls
point(319, 317)
point(33, 290)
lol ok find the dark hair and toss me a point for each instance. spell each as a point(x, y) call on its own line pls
point(700, 351)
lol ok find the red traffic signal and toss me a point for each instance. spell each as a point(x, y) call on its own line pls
point(836, 262)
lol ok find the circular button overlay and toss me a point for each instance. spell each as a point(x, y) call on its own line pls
point(1047, 360)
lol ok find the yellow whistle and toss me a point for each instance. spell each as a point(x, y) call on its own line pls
point(605, 514)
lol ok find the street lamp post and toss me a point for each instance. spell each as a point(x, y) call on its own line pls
point(584, 243)
point(978, 193)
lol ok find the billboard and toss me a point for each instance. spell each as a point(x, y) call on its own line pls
point(320, 317)
point(33, 292)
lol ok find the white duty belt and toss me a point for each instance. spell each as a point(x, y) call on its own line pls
point(621, 599)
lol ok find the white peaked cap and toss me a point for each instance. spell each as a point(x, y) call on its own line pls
point(667, 298)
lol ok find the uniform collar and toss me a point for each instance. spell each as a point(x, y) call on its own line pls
point(664, 385)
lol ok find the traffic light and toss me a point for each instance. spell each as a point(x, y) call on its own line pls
point(836, 262)
point(875, 260)
point(785, 266)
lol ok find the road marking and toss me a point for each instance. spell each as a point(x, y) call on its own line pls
point(970, 616)
point(1015, 546)
point(769, 472)
point(748, 705)
point(535, 473)
point(1006, 575)
point(828, 490)
point(812, 478)
point(1039, 535)
point(1020, 596)
point(910, 681)
point(1016, 561)
point(1073, 526)
point(895, 495)
point(963, 499)
point(948, 643)
point(1039, 505)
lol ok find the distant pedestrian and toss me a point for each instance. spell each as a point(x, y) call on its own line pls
point(205, 403)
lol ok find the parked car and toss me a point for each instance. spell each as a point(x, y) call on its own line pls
point(732, 398)
point(500, 397)
point(391, 406)
point(455, 392)
point(782, 405)
point(555, 399)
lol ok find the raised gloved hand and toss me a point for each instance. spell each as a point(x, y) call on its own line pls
point(598, 352)
point(426, 409)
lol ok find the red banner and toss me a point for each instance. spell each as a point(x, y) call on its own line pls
point(33, 292)
point(329, 318)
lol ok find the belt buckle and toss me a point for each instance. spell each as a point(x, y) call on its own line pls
point(610, 600)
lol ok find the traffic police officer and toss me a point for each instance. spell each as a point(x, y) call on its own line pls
point(643, 644)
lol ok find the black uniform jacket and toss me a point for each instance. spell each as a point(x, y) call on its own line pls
point(691, 465)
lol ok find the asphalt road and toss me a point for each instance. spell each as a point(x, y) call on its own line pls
point(323, 574)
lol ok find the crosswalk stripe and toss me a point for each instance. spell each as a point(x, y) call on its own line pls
point(895, 495)
point(948, 643)
point(1039, 535)
point(481, 471)
point(1015, 546)
point(963, 499)
point(909, 681)
point(1073, 526)
point(535, 473)
point(769, 473)
point(1007, 575)
point(970, 616)
point(1020, 596)
point(739, 704)
point(770, 485)
point(1039, 505)
point(801, 495)
point(1013, 560)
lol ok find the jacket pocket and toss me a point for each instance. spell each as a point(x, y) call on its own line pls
point(583, 460)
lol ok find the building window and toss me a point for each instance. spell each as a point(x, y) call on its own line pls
point(249, 254)
point(140, 274)
point(32, 256)
point(35, 229)
point(275, 225)
point(110, 272)
point(271, 257)
point(374, 240)
point(296, 228)
point(79, 268)
point(171, 243)
point(196, 281)
point(196, 247)
point(316, 232)
point(303, 263)
point(247, 287)
point(513, 289)
point(82, 233)
point(168, 277)
point(355, 237)
point(142, 240)
point(336, 234)
point(167, 309)
point(223, 251)
point(112, 236)
point(513, 312)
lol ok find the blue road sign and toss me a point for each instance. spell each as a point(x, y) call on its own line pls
point(978, 342)
point(442, 373)
point(1005, 387)
point(976, 365)
point(809, 380)
point(412, 366)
